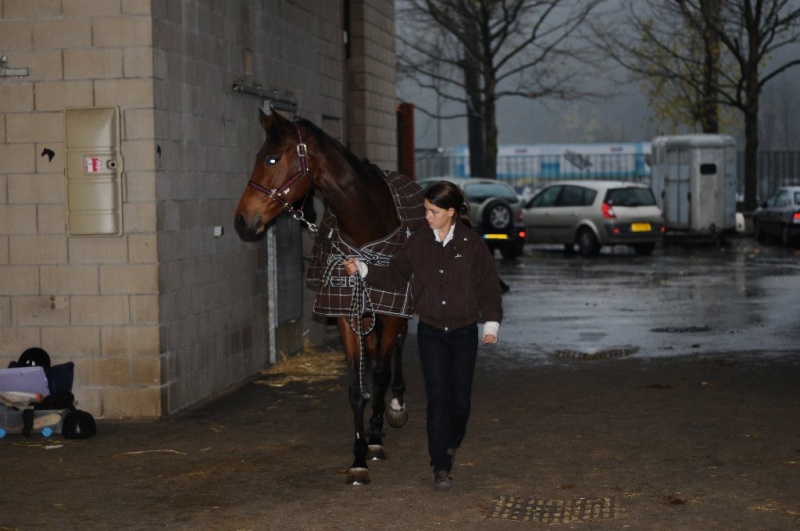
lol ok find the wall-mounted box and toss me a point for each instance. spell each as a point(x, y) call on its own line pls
point(94, 171)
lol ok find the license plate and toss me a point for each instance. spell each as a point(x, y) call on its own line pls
point(495, 236)
point(640, 227)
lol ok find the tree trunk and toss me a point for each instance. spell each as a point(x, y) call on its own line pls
point(751, 156)
point(490, 131)
point(477, 159)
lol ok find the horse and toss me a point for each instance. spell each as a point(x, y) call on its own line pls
point(296, 158)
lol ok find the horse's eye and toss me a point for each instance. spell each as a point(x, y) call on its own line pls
point(271, 161)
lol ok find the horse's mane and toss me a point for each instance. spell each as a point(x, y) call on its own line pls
point(324, 140)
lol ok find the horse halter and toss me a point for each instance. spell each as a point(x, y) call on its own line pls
point(276, 193)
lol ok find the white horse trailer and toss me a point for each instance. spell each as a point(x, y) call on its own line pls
point(694, 180)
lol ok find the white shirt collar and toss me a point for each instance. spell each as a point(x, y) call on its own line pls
point(446, 238)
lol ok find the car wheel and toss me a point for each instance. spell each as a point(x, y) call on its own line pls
point(644, 249)
point(587, 242)
point(497, 216)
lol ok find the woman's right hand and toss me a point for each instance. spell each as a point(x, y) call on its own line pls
point(350, 266)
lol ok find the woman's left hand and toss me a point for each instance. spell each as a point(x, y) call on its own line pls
point(490, 338)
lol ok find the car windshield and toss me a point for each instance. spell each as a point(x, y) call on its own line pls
point(480, 192)
point(630, 197)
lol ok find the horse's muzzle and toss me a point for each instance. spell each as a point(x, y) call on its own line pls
point(248, 232)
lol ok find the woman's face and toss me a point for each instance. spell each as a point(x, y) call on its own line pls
point(438, 218)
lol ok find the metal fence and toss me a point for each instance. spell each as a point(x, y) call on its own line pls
point(775, 168)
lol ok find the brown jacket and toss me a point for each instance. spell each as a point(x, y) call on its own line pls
point(452, 286)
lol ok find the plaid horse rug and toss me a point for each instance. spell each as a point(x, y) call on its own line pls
point(334, 297)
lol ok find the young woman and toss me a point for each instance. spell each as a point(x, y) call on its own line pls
point(454, 286)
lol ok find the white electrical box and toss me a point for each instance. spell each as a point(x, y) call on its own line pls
point(94, 171)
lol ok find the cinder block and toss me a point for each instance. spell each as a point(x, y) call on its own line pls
point(145, 371)
point(14, 340)
point(122, 32)
point(62, 33)
point(128, 279)
point(14, 36)
point(69, 279)
point(33, 189)
point(38, 311)
point(142, 248)
point(52, 219)
point(35, 127)
point(60, 95)
point(99, 310)
point(42, 65)
point(37, 249)
point(129, 93)
point(18, 219)
point(78, 341)
point(17, 158)
point(93, 63)
point(130, 340)
point(16, 97)
point(144, 310)
point(137, 62)
point(142, 402)
point(28, 9)
point(98, 250)
point(106, 371)
point(92, 8)
point(136, 7)
point(139, 217)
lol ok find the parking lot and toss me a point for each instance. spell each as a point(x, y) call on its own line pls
point(654, 393)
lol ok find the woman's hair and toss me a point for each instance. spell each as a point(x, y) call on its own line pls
point(445, 194)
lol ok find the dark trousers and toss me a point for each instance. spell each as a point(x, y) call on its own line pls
point(448, 365)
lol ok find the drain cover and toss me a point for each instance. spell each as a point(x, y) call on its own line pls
point(599, 355)
point(553, 511)
point(681, 329)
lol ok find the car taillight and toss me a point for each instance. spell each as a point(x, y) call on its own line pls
point(608, 211)
point(796, 217)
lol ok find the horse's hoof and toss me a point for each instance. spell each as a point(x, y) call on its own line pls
point(376, 452)
point(396, 418)
point(358, 476)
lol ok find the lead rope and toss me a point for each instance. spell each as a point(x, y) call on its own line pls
point(360, 304)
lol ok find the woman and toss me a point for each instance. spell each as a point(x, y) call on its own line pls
point(454, 285)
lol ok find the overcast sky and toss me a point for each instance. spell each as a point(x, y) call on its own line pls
point(621, 118)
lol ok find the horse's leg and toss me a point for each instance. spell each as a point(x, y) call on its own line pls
point(396, 414)
point(389, 331)
point(358, 474)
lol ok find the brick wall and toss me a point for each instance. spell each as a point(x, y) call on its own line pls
point(167, 314)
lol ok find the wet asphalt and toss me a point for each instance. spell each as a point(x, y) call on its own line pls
point(626, 393)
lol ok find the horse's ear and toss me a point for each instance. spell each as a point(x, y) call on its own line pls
point(264, 117)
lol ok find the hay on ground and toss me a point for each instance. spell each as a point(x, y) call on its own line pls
point(314, 364)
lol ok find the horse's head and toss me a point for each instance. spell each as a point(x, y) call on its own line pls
point(280, 177)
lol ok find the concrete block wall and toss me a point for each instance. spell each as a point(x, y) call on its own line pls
point(93, 301)
point(166, 315)
point(213, 290)
point(371, 82)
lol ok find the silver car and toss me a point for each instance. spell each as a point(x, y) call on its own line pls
point(591, 214)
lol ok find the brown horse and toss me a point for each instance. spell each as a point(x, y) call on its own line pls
point(361, 209)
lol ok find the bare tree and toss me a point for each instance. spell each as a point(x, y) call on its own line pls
point(710, 53)
point(478, 51)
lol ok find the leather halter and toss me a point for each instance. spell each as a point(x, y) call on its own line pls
point(276, 193)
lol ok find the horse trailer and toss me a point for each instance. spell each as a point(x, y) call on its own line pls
point(694, 179)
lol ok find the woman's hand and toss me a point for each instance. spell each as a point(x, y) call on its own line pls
point(489, 338)
point(350, 266)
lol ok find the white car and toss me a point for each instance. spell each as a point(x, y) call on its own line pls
point(591, 214)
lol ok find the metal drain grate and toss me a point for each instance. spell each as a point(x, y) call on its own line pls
point(553, 511)
point(606, 354)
